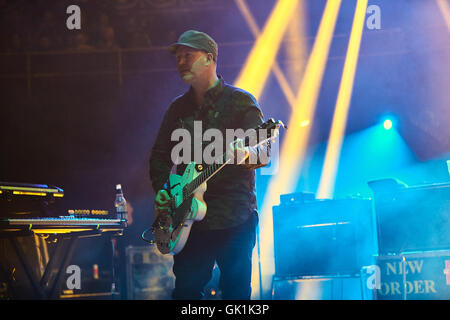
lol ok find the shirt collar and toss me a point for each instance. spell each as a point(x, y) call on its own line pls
point(215, 92)
point(211, 96)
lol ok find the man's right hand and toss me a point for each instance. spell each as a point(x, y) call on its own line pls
point(162, 200)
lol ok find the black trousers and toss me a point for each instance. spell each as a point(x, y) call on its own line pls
point(230, 248)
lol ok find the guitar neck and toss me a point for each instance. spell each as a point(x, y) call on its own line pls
point(212, 169)
point(204, 176)
point(270, 126)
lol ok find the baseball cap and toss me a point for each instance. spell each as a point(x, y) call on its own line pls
point(197, 40)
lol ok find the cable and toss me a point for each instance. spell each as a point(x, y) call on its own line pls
point(143, 236)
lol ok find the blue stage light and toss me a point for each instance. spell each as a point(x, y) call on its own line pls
point(387, 124)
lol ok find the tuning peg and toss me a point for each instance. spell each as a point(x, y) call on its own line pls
point(280, 123)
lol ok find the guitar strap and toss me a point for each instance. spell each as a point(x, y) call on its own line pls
point(211, 117)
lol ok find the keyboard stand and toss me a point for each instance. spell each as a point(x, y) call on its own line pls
point(49, 286)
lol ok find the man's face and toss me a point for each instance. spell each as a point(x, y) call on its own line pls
point(191, 64)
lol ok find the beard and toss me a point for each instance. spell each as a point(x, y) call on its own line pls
point(195, 72)
point(187, 77)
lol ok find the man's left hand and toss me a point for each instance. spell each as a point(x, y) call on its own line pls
point(237, 152)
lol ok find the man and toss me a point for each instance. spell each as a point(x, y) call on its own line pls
point(227, 233)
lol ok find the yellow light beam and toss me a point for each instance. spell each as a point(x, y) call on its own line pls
point(253, 75)
point(284, 83)
point(296, 45)
point(295, 141)
point(328, 176)
point(445, 10)
point(297, 49)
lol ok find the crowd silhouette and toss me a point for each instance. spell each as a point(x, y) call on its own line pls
point(28, 29)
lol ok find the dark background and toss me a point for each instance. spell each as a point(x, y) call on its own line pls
point(82, 114)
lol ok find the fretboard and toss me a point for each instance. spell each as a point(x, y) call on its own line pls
point(204, 176)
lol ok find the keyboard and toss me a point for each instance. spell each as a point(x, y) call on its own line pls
point(62, 224)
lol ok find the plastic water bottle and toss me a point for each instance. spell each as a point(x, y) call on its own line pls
point(121, 204)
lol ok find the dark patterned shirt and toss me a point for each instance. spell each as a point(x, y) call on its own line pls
point(230, 194)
